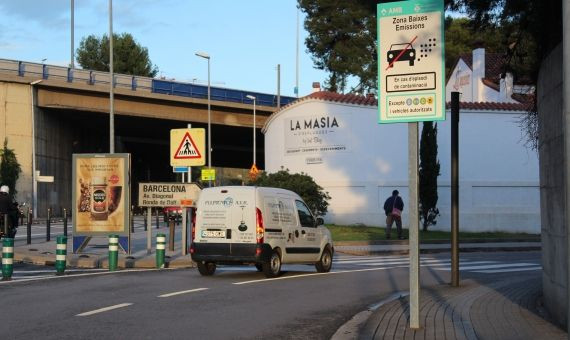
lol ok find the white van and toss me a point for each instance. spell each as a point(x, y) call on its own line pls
point(257, 225)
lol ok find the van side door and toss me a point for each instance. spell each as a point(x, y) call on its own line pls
point(309, 233)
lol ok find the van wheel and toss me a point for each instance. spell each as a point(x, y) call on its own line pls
point(259, 267)
point(272, 268)
point(325, 263)
point(206, 268)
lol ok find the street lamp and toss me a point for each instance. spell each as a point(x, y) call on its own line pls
point(34, 175)
point(207, 56)
point(253, 98)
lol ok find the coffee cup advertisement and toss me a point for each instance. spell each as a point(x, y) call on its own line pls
point(100, 185)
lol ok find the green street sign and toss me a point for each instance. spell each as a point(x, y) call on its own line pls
point(411, 63)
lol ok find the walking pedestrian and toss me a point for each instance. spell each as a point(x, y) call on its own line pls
point(393, 207)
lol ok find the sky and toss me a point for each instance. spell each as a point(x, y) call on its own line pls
point(245, 39)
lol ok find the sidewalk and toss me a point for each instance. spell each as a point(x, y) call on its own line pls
point(503, 309)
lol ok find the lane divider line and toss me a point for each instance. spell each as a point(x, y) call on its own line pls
point(317, 274)
point(182, 292)
point(106, 309)
point(77, 275)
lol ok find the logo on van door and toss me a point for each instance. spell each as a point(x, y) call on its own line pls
point(228, 202)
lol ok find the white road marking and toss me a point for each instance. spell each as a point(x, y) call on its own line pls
point(315, 274)
point(507, 270)
point(77, 275)
point(182, 292)
point(426, 264)
point(106, 309)
point(503, 265)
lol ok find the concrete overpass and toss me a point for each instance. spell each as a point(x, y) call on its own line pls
point(70, 108)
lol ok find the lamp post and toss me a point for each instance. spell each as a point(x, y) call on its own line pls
point(207, 56)
point(253, 98)
point(111, 83)
point(34, 175)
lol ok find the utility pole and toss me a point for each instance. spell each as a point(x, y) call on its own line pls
point(111, 83)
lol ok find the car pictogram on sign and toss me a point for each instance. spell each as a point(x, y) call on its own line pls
point(405, 54)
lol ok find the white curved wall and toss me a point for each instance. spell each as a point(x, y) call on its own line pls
point(498, 176)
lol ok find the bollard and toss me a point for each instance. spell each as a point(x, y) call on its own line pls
point(113, 252)
point(29, 228)
point(7, 259)
point(157, 220)
point(48, 225)
point(144, 220)
point(160, 245)
point(60, 255)
point(171, 235)
point(64, 222)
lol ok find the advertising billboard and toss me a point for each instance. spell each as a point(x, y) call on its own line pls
point(101, 194)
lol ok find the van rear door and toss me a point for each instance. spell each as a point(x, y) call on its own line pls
point(226, 215)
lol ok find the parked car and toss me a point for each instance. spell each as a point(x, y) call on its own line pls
point(172, 214)
point(257, 225)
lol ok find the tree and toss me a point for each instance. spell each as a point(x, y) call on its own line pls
point(129, 56)
point(428, 173)
point(302, 184)
point(9, 168)
point(342, 40)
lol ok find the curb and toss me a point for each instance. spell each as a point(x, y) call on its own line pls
point(101, 261)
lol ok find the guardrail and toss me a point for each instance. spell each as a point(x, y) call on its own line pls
point(137, 83)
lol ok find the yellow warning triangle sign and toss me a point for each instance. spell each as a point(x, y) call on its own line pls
point(187, 148)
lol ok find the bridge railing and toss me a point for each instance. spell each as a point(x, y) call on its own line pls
point(136, 83)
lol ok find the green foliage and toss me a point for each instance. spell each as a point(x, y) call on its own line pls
point(302, 184)
point(428, 173)
point(9, 168)
point(129, 56)
point(342, 40)
point(370, 234)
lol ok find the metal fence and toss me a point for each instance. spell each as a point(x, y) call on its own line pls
point(136, 83)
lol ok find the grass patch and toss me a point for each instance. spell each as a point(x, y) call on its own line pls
point(363, 233)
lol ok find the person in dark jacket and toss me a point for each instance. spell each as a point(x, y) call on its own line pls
point(393, 207)
point(7, 207)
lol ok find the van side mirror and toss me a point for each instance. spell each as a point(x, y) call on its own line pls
point(320, 221)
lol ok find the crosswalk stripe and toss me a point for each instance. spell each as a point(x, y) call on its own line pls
point(507, 270)
point(502, 265)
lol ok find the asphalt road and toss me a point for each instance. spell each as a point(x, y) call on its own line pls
point(237, 302)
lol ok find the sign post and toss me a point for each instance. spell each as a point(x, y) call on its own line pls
point(411, 81)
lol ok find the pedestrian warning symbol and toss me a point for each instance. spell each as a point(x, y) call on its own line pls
point(187, 147)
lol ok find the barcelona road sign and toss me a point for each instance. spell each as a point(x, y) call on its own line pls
point(411, 63)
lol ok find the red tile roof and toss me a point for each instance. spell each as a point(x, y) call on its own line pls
point(368, 101)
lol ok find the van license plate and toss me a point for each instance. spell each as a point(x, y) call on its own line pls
point(214, 233)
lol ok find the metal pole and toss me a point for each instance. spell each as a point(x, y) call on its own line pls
point(6, 226)
point(455, 189)
point(148, 230)
point(414, 243)
point(297, 58)
point(64, 222)
point(254, 148)
point(72, 35)
point(209, 125)
point(132, 220)
point(29, 228)
point(184, 231)
point(48, 225)
point(111, 83)
point(34, 174)
point(171, 226)
point(157, 219)
point(278, 86)
point(566, 96)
